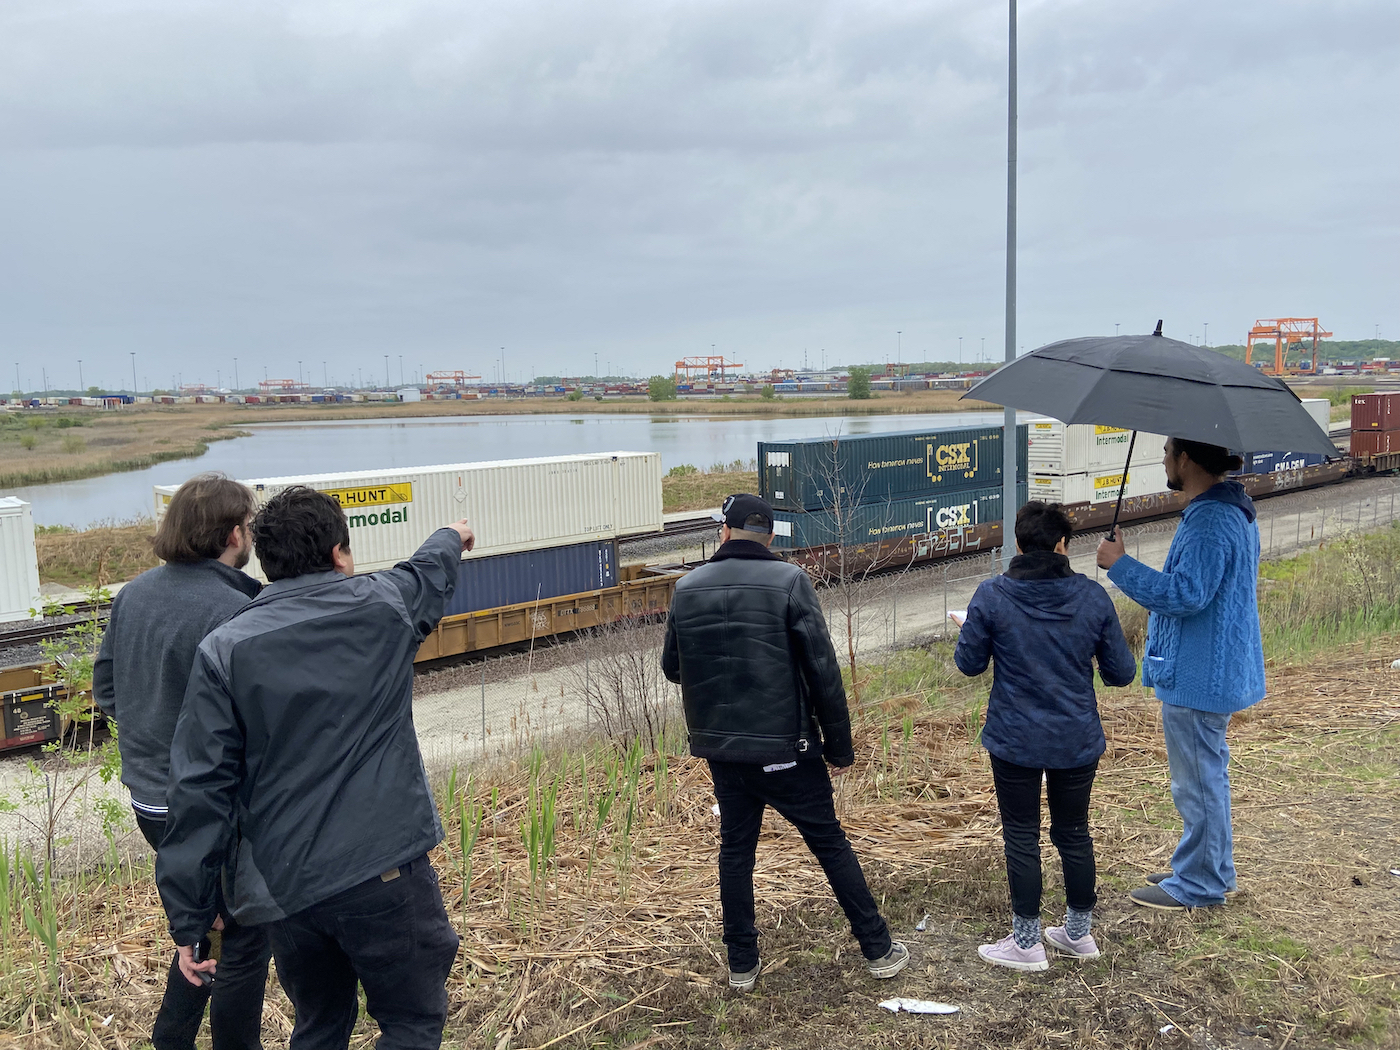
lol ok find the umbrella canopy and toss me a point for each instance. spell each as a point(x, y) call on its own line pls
point(1162, 386)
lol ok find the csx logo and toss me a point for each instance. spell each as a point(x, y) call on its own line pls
point(951, 457)
point(954, 517)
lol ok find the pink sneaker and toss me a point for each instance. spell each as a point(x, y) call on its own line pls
point(1084, 948)
point(1005, 953)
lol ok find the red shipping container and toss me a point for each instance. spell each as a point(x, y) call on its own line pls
point(1378, 411)
point(1374, 442)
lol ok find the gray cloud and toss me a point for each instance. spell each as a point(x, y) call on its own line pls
point(195, 181)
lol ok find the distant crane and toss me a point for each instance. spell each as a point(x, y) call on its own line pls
point(280, 386)
point(706, 367)
point(456, 380)
point(1285, 331)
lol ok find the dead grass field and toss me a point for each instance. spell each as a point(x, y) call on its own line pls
point(614, 941)
point(37, 447)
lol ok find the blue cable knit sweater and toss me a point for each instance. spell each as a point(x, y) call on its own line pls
point(1204, 649)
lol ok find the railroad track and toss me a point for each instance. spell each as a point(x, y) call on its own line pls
point(39, 633)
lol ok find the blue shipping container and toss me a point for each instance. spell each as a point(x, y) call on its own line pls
point(538, 575)
point(892, 520)
point(808, 474)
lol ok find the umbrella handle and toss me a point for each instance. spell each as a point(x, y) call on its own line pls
point(1122, 486)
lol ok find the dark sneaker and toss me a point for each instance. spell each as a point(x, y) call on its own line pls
point(744, 982)
point(1156, 897)
point(1161, 876)
point(889, 964)
point(1059, 939)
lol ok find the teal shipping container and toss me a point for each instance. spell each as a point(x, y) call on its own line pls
point(812, 474)
point(891, 519)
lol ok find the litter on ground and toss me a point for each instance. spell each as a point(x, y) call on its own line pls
point(918, 1006)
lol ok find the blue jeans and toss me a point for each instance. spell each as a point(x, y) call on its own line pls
point(1203, 866)
point(802, 794)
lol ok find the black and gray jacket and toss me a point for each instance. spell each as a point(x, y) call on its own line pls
point(297, 729)
point(748, 644)
point(143, 667)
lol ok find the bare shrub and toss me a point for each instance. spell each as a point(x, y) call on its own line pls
point(617, 672)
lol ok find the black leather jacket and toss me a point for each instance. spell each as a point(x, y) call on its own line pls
point(748, 644)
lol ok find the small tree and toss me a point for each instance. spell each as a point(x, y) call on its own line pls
point(661, 388)
point(94, 391)
point(858, 386)
point(767, 393)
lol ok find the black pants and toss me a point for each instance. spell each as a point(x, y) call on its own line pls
point(803, 796)
point(392, 937)
point(1018, 796)
point(235, 999)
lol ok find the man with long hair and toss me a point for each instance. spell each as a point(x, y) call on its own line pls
point(156, 625)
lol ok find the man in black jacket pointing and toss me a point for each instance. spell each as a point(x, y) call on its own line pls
point(297, 729)
point(764, 704)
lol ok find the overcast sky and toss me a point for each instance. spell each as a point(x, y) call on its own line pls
point(336, 180)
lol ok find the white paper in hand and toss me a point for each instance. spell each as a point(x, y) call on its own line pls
point(958, 616)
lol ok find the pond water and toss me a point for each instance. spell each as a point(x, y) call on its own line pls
point(279, 449)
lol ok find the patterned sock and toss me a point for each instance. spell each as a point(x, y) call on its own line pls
point(1026, 931)
point(1077, 922)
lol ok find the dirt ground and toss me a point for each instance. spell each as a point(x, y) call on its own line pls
point(616, 944)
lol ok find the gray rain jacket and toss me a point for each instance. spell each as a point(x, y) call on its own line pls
point(297, 730)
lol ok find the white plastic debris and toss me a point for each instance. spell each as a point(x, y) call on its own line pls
point(1395, 665)
point(1165, 1029)
point(107, 1020)
point(918, 1006)
point(1395, 871)
point(715, 809)
point(923, 923)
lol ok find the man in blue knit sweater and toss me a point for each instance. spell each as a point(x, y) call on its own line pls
point(1204, 657)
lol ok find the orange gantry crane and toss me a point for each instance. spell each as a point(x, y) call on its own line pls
point(706, 367)
point(452, 379)
point(1285, 331)
point(280, 386)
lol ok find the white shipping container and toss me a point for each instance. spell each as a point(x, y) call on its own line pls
point(1097, 486)
point(19, 562)
point(1320, 409)
point(512, 505)
point(1053, 447)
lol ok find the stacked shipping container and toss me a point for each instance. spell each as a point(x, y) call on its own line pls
point(1375, 423)
point(545, 527)
point(883, 486)
point(1083, 463)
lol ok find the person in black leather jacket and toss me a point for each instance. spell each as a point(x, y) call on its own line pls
point(764, 704)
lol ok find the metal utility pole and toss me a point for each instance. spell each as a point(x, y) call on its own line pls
point(386, 371)
point(17, 387)
point(134, 389)
point(400, 369)
point(81, 389)
point(1008, 444)
point(235, 373)
point(1205, 337)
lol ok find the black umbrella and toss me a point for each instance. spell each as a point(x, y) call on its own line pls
point(1163, 386)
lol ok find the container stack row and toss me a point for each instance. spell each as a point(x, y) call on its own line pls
point(1082, 463)
point(862, 489)
point(545, 528)
point(1375, 423)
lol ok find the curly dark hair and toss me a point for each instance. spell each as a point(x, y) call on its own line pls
point(1041, 526)
point(296, 532)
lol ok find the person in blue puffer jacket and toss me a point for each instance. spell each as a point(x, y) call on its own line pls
point(1045, 625)
point(1204, 657)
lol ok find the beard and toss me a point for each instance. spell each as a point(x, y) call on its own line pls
point(244, 556)
point(1174, 484)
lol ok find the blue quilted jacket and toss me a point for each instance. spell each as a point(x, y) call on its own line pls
point(1204, 649)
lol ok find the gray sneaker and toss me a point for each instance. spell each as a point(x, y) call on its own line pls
point(744, 982)
point(1059, 939)
point(889, 964)
point(1161, 876)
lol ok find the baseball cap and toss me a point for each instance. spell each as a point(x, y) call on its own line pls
point(737, 508)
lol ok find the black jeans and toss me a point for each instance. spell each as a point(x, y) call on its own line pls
point(392, 937)
point(1018, 796)
point(803, 796)
point(235, 999)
